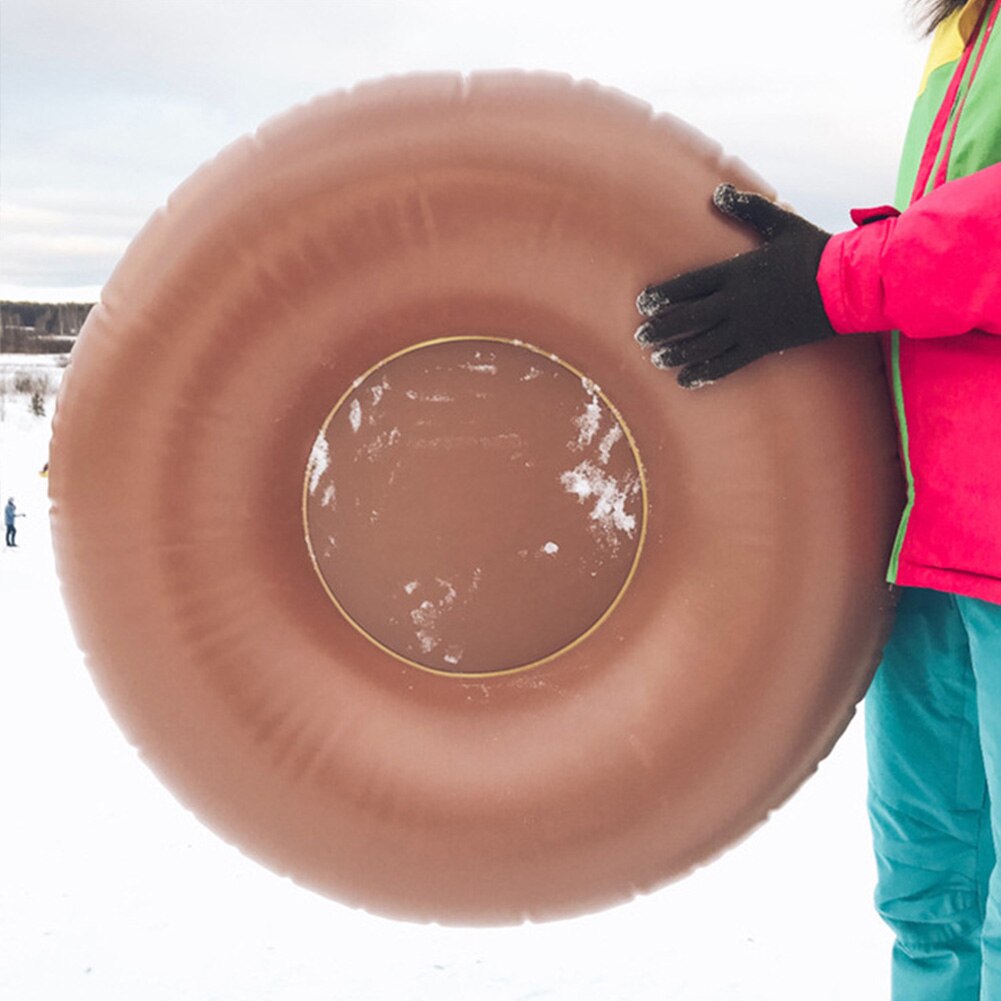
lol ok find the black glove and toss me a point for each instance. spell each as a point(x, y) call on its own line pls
point(717, 319)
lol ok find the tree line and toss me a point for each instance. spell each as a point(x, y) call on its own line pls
point(40, 327)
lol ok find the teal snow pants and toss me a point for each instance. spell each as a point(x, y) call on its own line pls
point(933, 730)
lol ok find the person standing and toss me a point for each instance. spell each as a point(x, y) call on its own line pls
point(10, 516)
point(929, 270)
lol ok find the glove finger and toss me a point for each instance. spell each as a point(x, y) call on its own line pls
point(692, 317)
point(755, 210)
point(690, 285)
point(705, 373)
point(695, 349)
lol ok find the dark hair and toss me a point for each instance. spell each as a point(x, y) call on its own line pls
point(931, 13)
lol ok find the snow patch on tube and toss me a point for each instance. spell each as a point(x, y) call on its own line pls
point(319, 461)
point(587, 481)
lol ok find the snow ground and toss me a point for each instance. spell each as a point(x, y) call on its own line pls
point(113, 891)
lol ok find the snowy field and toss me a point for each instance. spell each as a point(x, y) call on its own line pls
point(112, 891)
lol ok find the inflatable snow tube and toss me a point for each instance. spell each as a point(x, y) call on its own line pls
point(399, 562)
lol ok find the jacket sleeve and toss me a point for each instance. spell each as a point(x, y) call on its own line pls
point(933, 270)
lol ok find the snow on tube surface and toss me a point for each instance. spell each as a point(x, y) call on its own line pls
point(395, 557)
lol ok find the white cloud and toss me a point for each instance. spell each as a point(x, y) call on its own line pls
point(12, 292)
point(120, 100)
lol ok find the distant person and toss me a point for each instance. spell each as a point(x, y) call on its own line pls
point(929, 270)
point(10, 516)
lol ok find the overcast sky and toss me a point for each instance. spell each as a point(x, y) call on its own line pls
point(107, 105)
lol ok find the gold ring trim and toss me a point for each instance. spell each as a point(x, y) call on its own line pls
point(518, 668)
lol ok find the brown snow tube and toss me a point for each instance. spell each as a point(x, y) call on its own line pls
point(396, 558)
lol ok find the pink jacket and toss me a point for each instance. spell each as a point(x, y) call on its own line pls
point(933, 272)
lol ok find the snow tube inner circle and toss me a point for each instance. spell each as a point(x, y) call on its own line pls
point(475, 506)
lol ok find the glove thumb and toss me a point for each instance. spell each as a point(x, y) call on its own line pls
point(755, 210)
